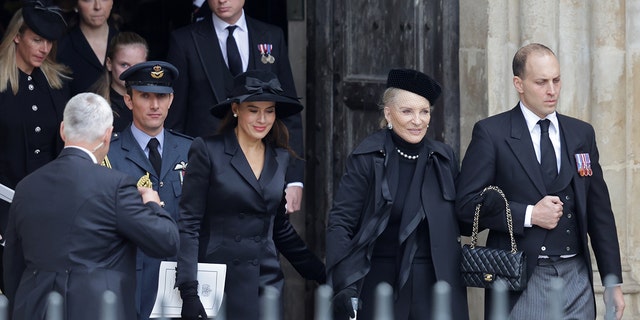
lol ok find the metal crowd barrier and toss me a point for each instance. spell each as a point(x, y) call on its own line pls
point(271, 306)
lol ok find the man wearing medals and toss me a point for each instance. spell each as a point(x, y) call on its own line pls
point(200, 52)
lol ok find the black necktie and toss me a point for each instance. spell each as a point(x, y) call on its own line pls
point(547, 153)
point(154, 155)
point(233, 54)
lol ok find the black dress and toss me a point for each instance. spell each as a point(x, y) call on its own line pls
point(122, 116)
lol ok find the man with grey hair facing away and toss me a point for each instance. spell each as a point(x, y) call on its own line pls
point(74, 225)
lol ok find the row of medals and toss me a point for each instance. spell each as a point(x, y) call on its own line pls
point(267, 59)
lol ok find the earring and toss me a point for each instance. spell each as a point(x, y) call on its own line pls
point(235, 115)
point(390, 126)
point(427, 126)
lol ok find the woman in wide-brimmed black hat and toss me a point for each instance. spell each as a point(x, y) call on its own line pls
point(232, 209)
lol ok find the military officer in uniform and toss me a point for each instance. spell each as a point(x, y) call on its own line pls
point(145, 149)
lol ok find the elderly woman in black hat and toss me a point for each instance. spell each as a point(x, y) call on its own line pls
point(393, 216)
point(232, 209)
point(33, 92)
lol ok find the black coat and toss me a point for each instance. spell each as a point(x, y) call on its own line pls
point(228, 216)
point(205, 79)
point(27, 129)
point(501, 153)
point(94, 219)
point(362, 207)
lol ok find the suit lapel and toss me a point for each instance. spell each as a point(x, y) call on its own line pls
point(134, 153)
point(239, 161)
point(210, 55)
point(271, 164)
point(82, 45)
point(254, 35)
point(574, 145)
point(522, 148)
point(170, 155)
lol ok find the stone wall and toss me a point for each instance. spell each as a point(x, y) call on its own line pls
point(598, 45)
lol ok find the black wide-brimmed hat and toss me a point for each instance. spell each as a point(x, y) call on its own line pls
point(45, 19)
point(258, 85)
point(416, 82)
point(151, 76)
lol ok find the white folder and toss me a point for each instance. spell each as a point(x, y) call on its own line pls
point(211, 278)
point(6, 193)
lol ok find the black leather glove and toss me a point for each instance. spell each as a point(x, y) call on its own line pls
point(192, 308)
point(342, 306)
point(492, 203)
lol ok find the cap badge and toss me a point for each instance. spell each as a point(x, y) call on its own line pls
point(157, 72)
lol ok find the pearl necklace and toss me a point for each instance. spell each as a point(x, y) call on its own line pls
point(404, 155)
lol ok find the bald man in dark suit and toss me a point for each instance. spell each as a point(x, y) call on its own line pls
point(556, 207)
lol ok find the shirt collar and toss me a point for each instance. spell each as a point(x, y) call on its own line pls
point(93, 157)
point(143, 138)
point(532, 119)
point(221, 26)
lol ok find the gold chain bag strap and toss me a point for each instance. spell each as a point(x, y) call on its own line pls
point(482, 266)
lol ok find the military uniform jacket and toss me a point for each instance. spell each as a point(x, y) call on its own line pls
point(227, 216)
point(362, 207)
point(501, 153)
point(126, 155)
point(73, 228)
point(205, 79)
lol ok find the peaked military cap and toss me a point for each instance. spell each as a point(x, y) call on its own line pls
point(150, 76)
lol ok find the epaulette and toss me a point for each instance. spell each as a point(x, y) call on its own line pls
point(179, 134)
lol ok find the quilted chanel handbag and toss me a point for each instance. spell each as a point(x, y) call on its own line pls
point(482, 266)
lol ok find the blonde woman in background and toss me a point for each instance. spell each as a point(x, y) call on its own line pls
point(33, 93)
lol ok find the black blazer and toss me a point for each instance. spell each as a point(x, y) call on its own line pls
point(75, 52)
point(205, 79)
point(228, 216)
point(501, 153)
point(94, 220)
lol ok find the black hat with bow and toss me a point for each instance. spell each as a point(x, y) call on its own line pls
point(44, 19)
point(258, 85)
